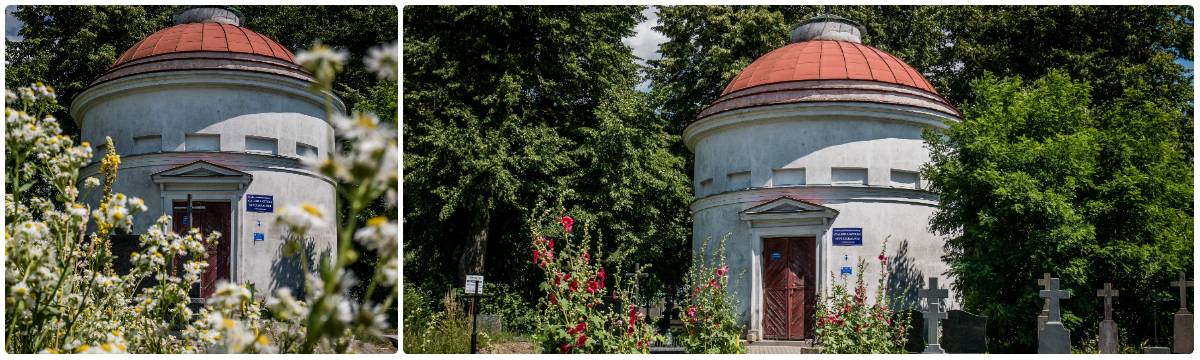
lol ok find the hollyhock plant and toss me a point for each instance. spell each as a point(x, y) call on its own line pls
point(570, 320)
point(852, 324)
point(709, 325)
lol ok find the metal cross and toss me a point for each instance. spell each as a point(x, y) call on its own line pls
point(1183, 285)
point(827, 9)
point(1154, 300)
point(933, 312)
point(637, 274)
point(1108, 293)
point(1054, 295)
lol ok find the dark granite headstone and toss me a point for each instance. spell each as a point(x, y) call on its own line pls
point(1184, 323)
point(964, 333)
point(1054, 339)
point(916, 335)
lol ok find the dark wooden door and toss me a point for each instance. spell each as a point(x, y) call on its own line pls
point(789, 287)
point(211, 216)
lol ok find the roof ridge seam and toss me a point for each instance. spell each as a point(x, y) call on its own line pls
point(865, 60)
point(886, 56)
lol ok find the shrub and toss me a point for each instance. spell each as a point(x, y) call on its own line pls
point(518, 314)
point(849, 324)
point(572, 318)
point(709, 323)
point(445, 332)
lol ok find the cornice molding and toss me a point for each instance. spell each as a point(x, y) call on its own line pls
point(818, 194)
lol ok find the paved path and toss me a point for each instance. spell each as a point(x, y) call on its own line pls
point(752, 349)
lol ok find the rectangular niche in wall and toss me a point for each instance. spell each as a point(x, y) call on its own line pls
point(305, 151)
point(905, 179)
point(705, 188)
point(738, 180)
point(147, 144)
point(262, 145)
point(202, 142)
point(787, 177)
point(849, 176)
point(100, 152)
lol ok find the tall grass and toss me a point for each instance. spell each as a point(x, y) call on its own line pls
point(445, 332)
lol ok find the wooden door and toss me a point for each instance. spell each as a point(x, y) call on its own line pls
point(789, 287)
point(211, 216)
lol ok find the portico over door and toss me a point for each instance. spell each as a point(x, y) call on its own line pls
point(789, 287)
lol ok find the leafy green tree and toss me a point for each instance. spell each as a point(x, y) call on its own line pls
point(1039, 178)
point(505, 106)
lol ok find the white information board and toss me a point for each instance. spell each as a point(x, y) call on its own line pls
point(474, 284)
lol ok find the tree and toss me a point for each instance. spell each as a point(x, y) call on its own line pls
point(506, 106)
point(1039, 178)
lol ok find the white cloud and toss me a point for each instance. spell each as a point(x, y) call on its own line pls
point(11, 24)
point(645, 42)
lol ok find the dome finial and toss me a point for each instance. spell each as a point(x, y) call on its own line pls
point(827, 27)
point(210, 14)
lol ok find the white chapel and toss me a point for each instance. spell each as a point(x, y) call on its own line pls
point(810, 159)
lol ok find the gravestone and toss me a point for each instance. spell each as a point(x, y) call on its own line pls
point(964, 333)
point(932, 314)
point(1154, 347)
point(1054, 339)
point(1109, 341)
point(1044, 281)
point(916, 335)
point(1184, 325)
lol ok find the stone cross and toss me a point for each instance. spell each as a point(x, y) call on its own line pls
point(1108, 339)
point(1054, 339)
point(1044, 281)
point(1183, 284)
point(637, 274)
point(1184, 322)
point(1108, 293)
point(932, 313)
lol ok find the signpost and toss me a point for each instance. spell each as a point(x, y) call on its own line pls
point(474, 289)
point(260, 203)
point(847, 236)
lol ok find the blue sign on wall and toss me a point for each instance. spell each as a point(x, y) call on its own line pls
point(847, 236)
point(846, 270)
point(260, 237)
point(260, 203)
point(774, 255)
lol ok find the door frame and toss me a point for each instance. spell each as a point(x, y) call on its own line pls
point(235, 223)
point(757, 237)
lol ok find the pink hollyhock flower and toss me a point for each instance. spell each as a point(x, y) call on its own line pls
point(567, 221)
point(536, 255)
point(695, 294)
point(889, 322)
point(691, 311)
point(601, 274)
point(566, 348)
point(579, 328)
point(574, 286)
point(553, 300)
point(550, 244)
point(697, 288)
point(639, 345)
point(587, 258)
point(722, 271)
point(693, 320)
point(716, 326)
point(592, 287)
point(712, 282)
point(847, 309)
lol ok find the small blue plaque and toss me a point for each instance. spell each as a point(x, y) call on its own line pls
point(260, 203)
point(846, 270)
point(774, 255)
point(847, 236)
point(185, 219)
point(260, 237)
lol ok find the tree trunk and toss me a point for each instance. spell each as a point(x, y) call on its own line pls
point(471, 261)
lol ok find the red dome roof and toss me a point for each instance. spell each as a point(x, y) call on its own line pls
point(828, 60)
point(206, 37)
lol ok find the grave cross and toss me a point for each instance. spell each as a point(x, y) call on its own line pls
point(933, 312)
point(1183, 285)
point(637, 274)
point(1108, 293)
point(1054, 295)
point(1154, 300)
point(1045, 281)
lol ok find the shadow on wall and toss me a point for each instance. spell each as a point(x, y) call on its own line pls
point(286, 271)
point(904, 280)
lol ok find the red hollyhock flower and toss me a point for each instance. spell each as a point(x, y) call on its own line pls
point(579, 328)
point(567, 221)
point(630, 331)
point(566, 348)
point(694, 294)
point(592, 287)
point(693, 320)
point(574, 286)
point(553, 300)
point(691, 311)
point(587, 258)
point(571, 331)
point(557, 279)
point(712, 282)
point(722, 271)
point(582, 339)
point(551, 244)
point(601, 278)
point(716, 326)
point(536, 255)
point(567, 276)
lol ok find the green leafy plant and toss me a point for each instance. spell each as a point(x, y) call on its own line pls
point(710, 323)
point(848, 324)
point(573, 318)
